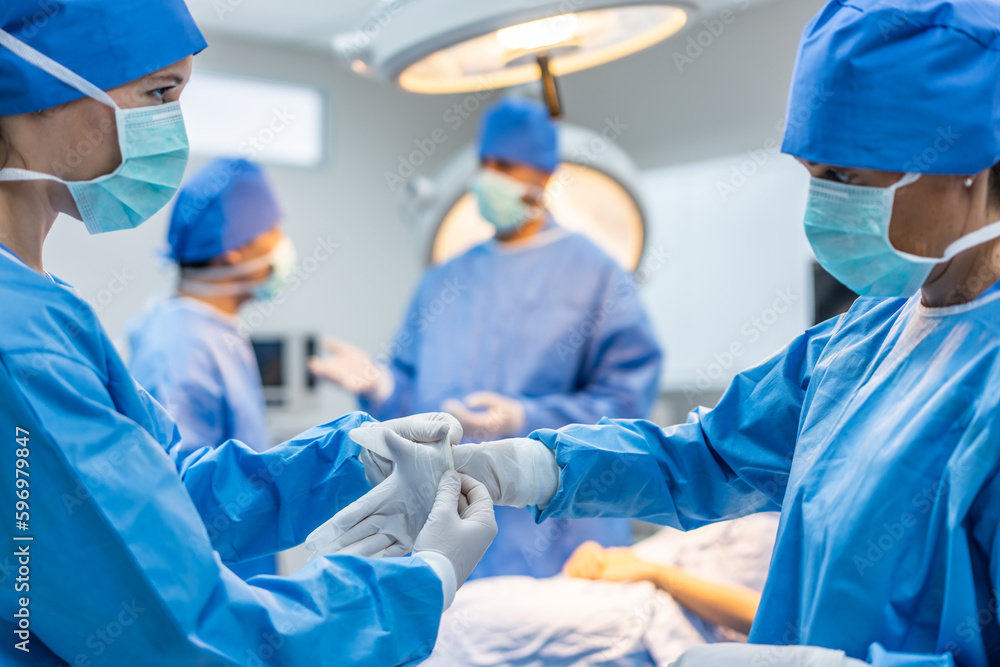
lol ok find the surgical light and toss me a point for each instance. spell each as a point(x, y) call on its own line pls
point(455, 46)
point(537, 34)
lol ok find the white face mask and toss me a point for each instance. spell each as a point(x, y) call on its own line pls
point(154, 147)
point(205, 282)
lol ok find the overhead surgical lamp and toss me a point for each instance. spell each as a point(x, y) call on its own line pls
point(594, 191)
point(455, 46)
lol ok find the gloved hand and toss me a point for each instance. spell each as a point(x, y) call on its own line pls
point(354, 370)
point(486, 415)
point(462, 535)
point(386, 520)
point(427, 428)
point(751, 655)
point(517, 472)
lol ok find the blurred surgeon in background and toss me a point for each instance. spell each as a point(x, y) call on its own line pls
point(541, 328)
point(188, 351)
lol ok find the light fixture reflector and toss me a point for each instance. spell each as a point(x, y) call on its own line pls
point(573, 42)
point(539, 34)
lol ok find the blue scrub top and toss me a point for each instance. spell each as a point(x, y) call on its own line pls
point(194, 360)
point(130, 532)
point(553, 322)
point(876, 434)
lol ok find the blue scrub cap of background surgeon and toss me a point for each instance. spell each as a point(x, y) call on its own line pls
point(521, 131)
point(224, 206)
point(899, 85)
point(107, 42)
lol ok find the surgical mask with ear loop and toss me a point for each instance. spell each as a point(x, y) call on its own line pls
point(205, 281)
point(501, 200)
point(154, 148)
point(848, 228)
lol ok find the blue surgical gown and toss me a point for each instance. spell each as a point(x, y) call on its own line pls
point(554, 323)
point(877, 435)
point(130, 531)
point(196, 363)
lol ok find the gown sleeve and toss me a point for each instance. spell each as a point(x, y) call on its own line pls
point(622, 366)
point(255, 504)
point(723, 463)
point(123, 568)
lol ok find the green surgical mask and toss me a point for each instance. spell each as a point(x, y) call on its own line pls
point(501, 200)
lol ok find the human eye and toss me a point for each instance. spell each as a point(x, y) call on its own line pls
point(837, 175)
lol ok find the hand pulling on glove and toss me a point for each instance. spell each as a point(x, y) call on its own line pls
point(386, 520)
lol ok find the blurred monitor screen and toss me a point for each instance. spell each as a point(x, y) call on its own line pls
point(271, 359)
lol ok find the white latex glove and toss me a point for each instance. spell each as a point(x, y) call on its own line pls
point(517, 472)
point(752, 655)
point(428, 427)
point(486, 415)
point(462, 535)
point(386, 520)
point(354, 370)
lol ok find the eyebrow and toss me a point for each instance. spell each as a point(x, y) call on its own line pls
point(174, 79)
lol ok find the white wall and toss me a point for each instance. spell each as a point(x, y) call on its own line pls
point(728, 100)
point(729, 278)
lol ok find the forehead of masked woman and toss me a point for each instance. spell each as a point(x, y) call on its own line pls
point(107, 42)
point(899, 85)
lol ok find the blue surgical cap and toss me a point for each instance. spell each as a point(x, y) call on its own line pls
point(223, 207)
point(899, 85)
point(107, 42)
point(521, 131)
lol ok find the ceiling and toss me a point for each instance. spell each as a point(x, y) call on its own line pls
point(311, 24)
point(302, 23)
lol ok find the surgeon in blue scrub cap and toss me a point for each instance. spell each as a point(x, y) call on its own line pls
point(190, 352)
point(876, 433)
point(119, 533)
point(535, 328)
